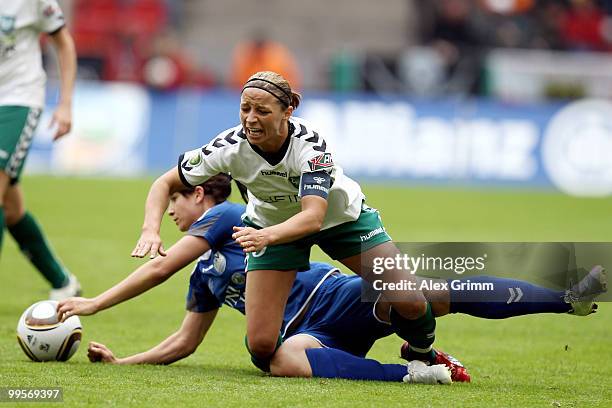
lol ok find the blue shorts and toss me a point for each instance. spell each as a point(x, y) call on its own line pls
point(337, 318)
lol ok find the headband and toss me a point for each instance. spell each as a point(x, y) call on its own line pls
point(264, 88)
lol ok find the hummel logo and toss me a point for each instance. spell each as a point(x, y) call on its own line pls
point(319, 180)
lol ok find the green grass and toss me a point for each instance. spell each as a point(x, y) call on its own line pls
point(535, 361)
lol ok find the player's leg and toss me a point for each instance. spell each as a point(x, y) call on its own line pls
point(4, 182)
point(491, 297)
point(303, 356)
point(333, 336)
point(500, 298)
point(290, 359)
point(270, 276)
point(358, 245)
point(412, 316)
point(267, 293)
point(337, 318)
point(17, 124)
point(32, 241)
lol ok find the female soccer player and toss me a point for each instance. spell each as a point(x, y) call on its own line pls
point(22, 95)
point(298, 197)
point(327, 329)
point(324, 307)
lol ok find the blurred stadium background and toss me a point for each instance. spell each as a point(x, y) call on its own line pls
point(464, 120)
point(429, 92)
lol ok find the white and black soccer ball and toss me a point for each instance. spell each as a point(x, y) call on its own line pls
point(43, 337)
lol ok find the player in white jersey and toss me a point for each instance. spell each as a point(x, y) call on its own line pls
point(22, 97)
point(298, 197)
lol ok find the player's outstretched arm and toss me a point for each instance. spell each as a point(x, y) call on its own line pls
point(176, 347)
point(306, 222)
point(66, 55)
point(157, 201)
point(149, 275)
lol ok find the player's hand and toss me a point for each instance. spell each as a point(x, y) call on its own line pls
point(62, 118)
point(99, 353)
point(75, 306)
point(149, 243)
point(251, 239)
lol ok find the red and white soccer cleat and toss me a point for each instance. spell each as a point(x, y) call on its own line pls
point(458, 371)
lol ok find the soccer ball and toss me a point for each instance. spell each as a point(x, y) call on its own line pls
point(43, 337)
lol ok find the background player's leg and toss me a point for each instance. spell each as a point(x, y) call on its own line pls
point(411, 314)
point(31, 239)
point(267, 292)
point(4, 182)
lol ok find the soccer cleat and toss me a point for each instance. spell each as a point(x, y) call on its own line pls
point(582, 294)
point(421, 373)
point(458, 372)
point(72, 288)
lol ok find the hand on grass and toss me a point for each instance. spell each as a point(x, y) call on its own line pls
point(99, 353)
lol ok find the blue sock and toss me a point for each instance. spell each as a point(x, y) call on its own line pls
point(508, 298)
point(334, 363)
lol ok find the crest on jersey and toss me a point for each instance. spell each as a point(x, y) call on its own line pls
point(219, 263)
point(7, 24)
point(238, 278)
point(321, 162)
point(195, 160)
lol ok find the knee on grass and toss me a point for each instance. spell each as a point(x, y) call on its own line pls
point(262, 347)
point(289, 362)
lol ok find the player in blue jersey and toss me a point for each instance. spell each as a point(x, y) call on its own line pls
point(323, 303)
point(327, 329)
point(298, 197)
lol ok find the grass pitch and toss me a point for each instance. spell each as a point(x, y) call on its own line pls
point(540, 361)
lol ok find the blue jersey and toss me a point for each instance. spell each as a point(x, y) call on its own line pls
point(219, 276)
point(323, 303)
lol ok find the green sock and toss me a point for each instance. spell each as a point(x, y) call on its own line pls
point(262, 364)
point(35, 247)
point(1, 227)
point(419, 333)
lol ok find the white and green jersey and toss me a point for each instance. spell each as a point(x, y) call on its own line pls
point(303, 166)
point(22, 78)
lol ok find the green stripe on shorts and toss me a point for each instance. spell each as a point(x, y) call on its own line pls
point(17, 126)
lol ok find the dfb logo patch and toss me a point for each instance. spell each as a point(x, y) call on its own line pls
point(321, 162)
